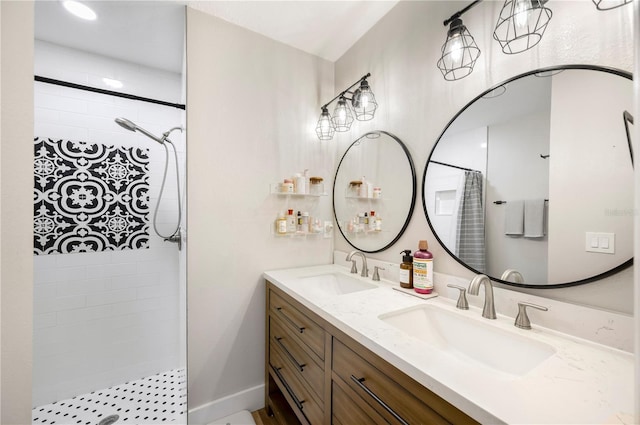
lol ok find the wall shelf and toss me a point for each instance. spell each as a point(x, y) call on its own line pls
point(323, 228)
point(274, 190)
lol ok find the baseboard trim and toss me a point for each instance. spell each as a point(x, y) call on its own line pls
point(250, 399)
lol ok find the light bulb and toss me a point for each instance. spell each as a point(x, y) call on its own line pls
point(456, 50)
point(342, 114)
point(324, 124)
point(522, 13)
point(364, 99)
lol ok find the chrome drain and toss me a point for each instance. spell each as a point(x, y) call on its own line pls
point(111, 419)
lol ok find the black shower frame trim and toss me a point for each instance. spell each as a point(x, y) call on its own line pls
point(107, 92)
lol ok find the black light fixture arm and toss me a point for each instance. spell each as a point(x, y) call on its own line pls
point(460, 12)
point(347, 90)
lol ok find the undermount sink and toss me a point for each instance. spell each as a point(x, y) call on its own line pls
point(471, 338)
point(331, 284)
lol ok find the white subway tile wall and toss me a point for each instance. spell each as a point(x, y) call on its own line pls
point(104, 318)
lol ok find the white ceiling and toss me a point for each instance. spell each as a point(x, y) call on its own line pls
point(323, 28)
point(152, 32)
point(144, 32)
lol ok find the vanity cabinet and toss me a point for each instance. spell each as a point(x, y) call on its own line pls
point(295, 361)
point(316, 374)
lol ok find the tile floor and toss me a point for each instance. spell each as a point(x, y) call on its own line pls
point(160, 398)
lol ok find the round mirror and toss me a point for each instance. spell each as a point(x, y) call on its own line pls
point(535, 176)
point(374, 191)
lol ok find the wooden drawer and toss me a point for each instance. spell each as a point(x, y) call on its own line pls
point(309, 332)
point(384, 395)
point(303, 399)
point(348, 408)
point(310, 369)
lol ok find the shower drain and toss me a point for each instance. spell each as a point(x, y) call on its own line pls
point(111, 419)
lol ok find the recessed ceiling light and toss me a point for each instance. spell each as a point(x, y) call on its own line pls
point(80, 10)
point(116, 84)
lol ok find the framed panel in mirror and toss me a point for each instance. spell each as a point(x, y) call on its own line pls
point(537, 179)
point(374, 191)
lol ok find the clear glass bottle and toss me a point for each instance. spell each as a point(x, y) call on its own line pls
point(316, 186)
point(281, 224)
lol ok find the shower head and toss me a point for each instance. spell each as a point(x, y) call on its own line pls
point(125, 123)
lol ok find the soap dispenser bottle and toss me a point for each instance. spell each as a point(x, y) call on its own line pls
point(423, 269)
point(406, 270)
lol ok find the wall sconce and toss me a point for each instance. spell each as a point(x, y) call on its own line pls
point(459, 51)
point(521, 24)
point(362, 104)
point(342, 116)
point(325, 129)
point(610, 4)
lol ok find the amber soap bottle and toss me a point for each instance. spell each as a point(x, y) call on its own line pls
point(406, 269)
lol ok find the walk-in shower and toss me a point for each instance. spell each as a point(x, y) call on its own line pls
point(109, 294)
point(176, 235)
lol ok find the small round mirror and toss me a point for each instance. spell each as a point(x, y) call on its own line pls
point(374, 191)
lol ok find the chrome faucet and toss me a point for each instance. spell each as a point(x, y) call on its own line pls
point(365, 270)
point(489, 310)
point(522, 320)
point(515, 275)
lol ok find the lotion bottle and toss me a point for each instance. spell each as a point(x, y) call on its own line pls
point(423, 269)
point(291, 222)
point(300, 184)
point(378, 225)
point(406, 270)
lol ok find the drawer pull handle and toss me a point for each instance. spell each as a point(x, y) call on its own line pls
point(298, 366)
point(288, 388)
point(364, 388)
point(299, 328)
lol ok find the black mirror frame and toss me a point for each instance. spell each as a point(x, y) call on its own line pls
point(595, 278)
point(413, 194)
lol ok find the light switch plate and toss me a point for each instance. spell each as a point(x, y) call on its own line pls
point(603, 243)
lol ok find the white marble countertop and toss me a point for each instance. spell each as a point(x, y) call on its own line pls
point(582, 383)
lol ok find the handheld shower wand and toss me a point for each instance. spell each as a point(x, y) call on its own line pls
point(125, 123)
point(176, 236)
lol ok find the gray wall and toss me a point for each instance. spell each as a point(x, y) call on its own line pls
point(252, 109)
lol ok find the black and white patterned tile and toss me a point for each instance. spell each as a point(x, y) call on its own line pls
point(89, 197)
point(157, 399)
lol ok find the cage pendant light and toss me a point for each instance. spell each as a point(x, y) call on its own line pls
point(610, 4)
point(364, 102)
point(521, 24)
point(363, 105)
point(342, 116)
point(325, 129)
point(459, 52)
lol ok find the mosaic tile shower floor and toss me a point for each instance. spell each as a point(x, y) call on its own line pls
point(156, 399)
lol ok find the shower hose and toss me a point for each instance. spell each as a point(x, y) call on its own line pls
point(176, 233)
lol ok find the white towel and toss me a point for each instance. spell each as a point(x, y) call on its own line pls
point(514, 218)
point(534, 218)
